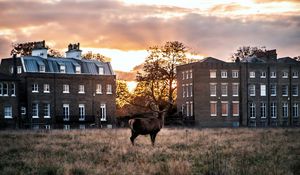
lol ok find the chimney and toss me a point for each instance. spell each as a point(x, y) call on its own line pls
point(40, 49)
point(74, 51)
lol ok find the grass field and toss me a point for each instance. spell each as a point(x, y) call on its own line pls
point(177, 151)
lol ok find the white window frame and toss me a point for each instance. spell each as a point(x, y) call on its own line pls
point(285, 74)
point(77, 69)
point(295, 74)
point(273, 110)
point(263, 74)
point(252, 110)
point(273, 74)
point(23, 110)
point(103, 112)
point(1, 89)
point(191, 73)
point(66, 112)
point(295, 110)
point(66, 89)
point(187, 109)
point(35, 107)
point(252, 90)
point(13, 89)
point(263, 110)
point(295, 90)
point(275, 90)
point(81, 89)
point(224, 74)
point(108, 89)
point(224, 92)
point(213, 73)
point(224, 103)
point(42, 68)
point(285, 110)
point(62, 69)
point(47, 127)
point(215, 106)
point(211, 85)
point(192, 108)
point(252, 74)
point(183, 90)
point(183, 75)
point(235, 74)
point(8, 112)
point(66, 127)
point(81, 108)
point(35, 88)
point(187, 74)
point(263, 90)
point(98, 89)
point(46, 88)
point(235, 91)
point(238, 108)
point(187, 90)
point(191, 89)
point(101, 70)
point(285, 90)
point(19, 69)
point(5, 89)
point(47, 110)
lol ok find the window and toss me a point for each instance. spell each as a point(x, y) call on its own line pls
point(98, 89)
point(13, 89)
point(77, 69)
point(108, 89)
point(81, 89)
point(285, 74)
point(285, 90)
point(235, 89)
point(252, 74)
point(252, 110)
point(192, 110)
point(1, 89)
point(35, 110)
point(224, 89)
point(273, 110)
point(23, 110)
point(47, 127)
point(235, 74)
point(224, 108)
point(66, 88)
point(11, 69)
point(295, 74)
point(19, 69)
point(81, 126)
point(42, 68)
point(213, 89)
point(66, 127)
point(235, 108)
point(223, 73)
point(263, 90)
point(252, 90)
point(183, 90)
point(103, 112)
point(47, 110)
point(187, 74)
point(187, 90)
point(213, 74)
point(213, 108)
point(62, 69)
point(101, 70)
point(273, 89)
point(7, 112)
point(5, 89)
point(46, 88)
point(183, 75)
point(273, 74)
point(285, 110)
point(35, 88)
point(263, 109)
point(66, 111)
point(263, 74)
point(81, 112)
point(191, 89)
point(295, 110)
point(191, 73)
point(295, 90)
point(187, 109)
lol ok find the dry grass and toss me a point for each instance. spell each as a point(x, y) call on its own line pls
point(177, 151)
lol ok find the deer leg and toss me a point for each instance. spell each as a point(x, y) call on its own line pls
point(153, 135)
point(133, 136)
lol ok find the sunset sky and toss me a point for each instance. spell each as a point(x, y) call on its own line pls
point(123, 30)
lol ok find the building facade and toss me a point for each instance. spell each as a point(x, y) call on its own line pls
point(258, 91)
point(52, 92)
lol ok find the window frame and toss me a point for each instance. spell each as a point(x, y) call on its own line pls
point(263, 74)
point(46, 88)
point(215, 108)
point(98, 88)
point(285, 90)
point(263, 110)
point(66, 88)
point(81, 89)
point(35, 110)
point(8, 113)
point(235, 93)
point(235, 74)
point(227, 107)
point(108, 89)
point(252, 74)
point(212, 73)
point(224, 93)
point(47, 110)
point(224, 74)
point(263, 90)
point(285, 110)
point(273, 110)
point(293, 90)
point(35, 88)
point(81, 109)
point(103, 113)
point(66, 112)
point(252, 110)
point(273, 88)
point(252, 90)
point(238, 108)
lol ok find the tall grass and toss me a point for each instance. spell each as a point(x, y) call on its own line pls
point(177, 151)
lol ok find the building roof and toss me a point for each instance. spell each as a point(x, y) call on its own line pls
point(211, 60)
point(52, 65)
point(288, 60)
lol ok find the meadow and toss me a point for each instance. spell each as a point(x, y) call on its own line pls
point(177, 151)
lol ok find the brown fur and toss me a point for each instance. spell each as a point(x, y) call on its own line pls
point(145, 126)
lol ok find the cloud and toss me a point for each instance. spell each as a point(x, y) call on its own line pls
point(269, 1)
point(113, 24)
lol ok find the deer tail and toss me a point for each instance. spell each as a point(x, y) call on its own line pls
point(130, 122)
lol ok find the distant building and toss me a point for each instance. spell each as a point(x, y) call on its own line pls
point(38, 91)
point(258, 91)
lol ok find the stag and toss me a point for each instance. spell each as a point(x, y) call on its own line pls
point(145, 126)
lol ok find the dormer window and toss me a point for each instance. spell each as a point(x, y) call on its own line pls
point(101, 70)
point(41, 68)
point(62, 69)
point(77, 69)
point(19, 69)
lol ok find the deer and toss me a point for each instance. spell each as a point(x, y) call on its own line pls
point(145, 126)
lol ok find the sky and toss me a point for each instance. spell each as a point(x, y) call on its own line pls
point(124, 30)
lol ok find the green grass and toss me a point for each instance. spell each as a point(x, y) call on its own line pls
point(177, 151)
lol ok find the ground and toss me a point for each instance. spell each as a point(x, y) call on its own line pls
point(177, 151)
